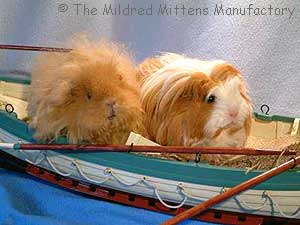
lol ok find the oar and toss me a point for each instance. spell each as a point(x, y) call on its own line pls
point(34, 48)
point(140, 148)
point(233, 191)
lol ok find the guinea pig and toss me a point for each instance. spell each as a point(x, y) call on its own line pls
point(90, 94)
point(191, 102)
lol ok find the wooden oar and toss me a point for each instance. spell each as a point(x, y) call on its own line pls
point(34, 48)
point(233, 191)
point(140, 148)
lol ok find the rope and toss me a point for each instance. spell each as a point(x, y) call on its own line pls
point(267, 195)
point(243, 203)
point(122, 181)
point(167, 205)
point(162, 201)
point(247, 206)
point(86, 177)
point(185, 193)
point(294, 215)
point(55, 169)
point(36, 162)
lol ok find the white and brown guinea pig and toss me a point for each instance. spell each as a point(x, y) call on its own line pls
point(194, 103)
point(90, 94)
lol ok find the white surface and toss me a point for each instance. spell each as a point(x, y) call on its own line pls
point(266, 49)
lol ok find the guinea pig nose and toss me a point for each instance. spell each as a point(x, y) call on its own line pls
point(233, 113)
point(111, 109)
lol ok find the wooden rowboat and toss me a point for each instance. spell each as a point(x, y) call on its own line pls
point(152, 183)
point(147, 182)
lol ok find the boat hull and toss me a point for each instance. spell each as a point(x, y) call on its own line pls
point(79, 186)
point(171, 196)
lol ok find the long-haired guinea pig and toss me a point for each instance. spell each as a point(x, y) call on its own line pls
point(194, 103)
point(90, 94)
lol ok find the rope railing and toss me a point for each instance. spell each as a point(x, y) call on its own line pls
point(109, 173)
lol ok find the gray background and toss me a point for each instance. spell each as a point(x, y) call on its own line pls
point(265, 48)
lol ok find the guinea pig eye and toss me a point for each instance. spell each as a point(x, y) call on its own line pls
point(88, 95)
point(119, 76)
point(211, 99)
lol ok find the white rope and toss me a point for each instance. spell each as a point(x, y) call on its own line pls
point(267, 195)
point(55, 169)
point(183, 191)
point(86, 177)
point(44, 156)
point(167, 205)
point(243, 203)
point(37, 160)
point(247, 206)
point(294, 215)
point(161, 200)
point(122, 181)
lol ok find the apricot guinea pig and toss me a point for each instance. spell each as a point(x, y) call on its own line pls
point(90, 94)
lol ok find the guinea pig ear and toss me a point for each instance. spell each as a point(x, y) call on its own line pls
point(60, 95)
point(185, 88)
point(62, 91)
point(197, 86)
point(150, 66)
point(223, 71)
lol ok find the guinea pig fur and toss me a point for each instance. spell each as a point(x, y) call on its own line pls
point(194, 103)
point(90, 94)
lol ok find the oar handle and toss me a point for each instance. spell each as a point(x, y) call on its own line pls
point(7, 145)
